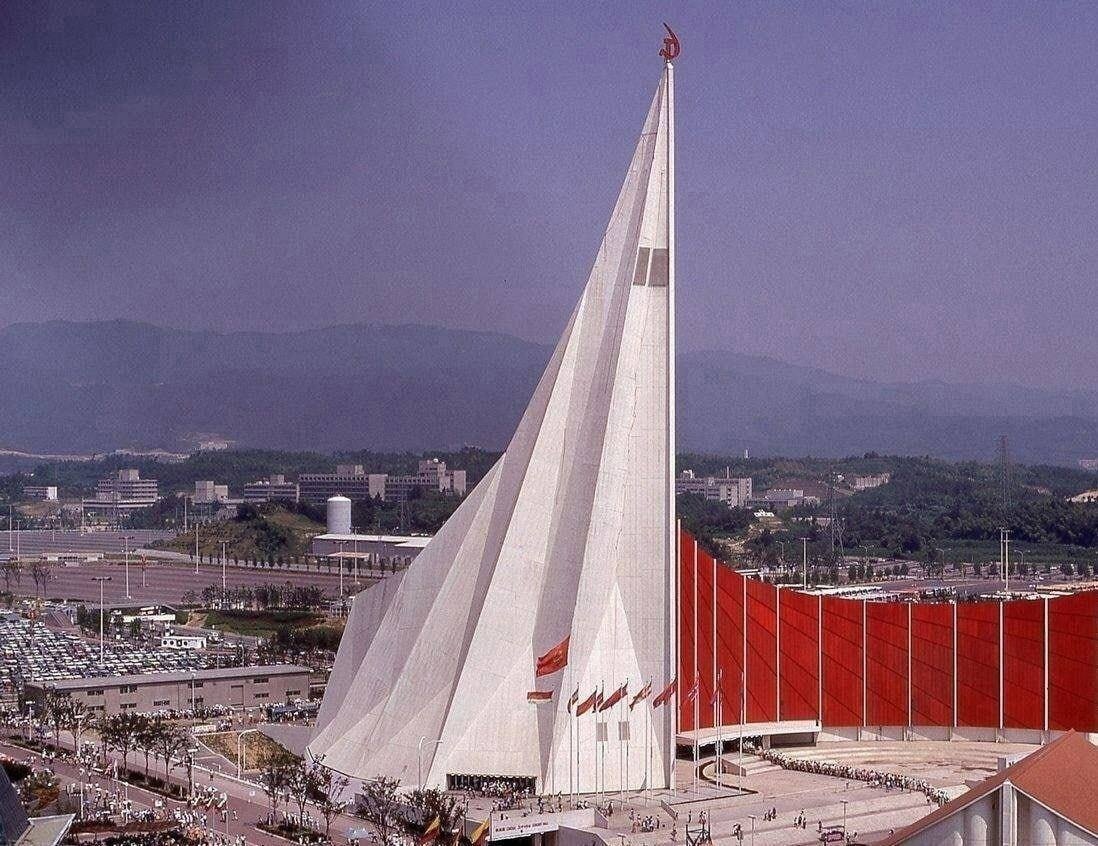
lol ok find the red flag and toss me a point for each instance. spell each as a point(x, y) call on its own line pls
point(430, 834)
point(614, 698)
point(573, 699)
point(716, 695)
point(692, 694)
point(539, 696)
point(641, 695)
point(665, 694)
point(481, 832)
point(586, 705)
point(554, 660)
point(598, 700)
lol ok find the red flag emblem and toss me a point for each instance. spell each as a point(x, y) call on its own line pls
point(539, 696)
point(614, 698)
point(554, 660)
point(665, 694)
point(641, 696)
point(586, 705)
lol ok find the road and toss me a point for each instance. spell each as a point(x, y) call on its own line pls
point(168, 581)
point(248, 801)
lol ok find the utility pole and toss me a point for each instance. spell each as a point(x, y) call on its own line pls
point(126, 546)
point(196, 547)
point(222, 570)
point(804, 562)
point(102, 613)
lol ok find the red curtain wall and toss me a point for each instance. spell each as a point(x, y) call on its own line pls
point(910, 652)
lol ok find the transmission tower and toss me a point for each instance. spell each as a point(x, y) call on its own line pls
point(1005, 475)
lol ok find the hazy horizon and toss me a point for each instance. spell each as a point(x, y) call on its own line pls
point(889, 193)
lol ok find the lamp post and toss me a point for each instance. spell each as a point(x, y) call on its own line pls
point(844, 818)
point(419, 757)
point(126, 547)
point(341, 566)
point(102, 580)
point(804, 563)
point(752, 829)
point(242, 751)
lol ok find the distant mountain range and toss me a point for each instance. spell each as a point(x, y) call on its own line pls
point(98, 386)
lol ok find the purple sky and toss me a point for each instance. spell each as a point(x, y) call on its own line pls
point(894, 190)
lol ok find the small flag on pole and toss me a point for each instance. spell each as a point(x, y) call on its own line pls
point(573, 699)
point(614, 698)
point(716, 695)
point(586, 705)
point(537, 697)
point(665, 694)
point(554, 660)
point(692, 694)
point(481, 832)
point(430, 834)
point(598, 700)
point(642, 694)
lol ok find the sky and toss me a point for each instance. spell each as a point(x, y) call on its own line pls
point(892, 191)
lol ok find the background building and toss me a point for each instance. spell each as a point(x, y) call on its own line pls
point(47, 493)
point(353, 482)
point(206, 492)
point(733, 492)
point(123, 492)
point(865, 483)
point(273, 487)
point(236, 687)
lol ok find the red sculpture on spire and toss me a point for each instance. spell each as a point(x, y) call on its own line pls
point(671, 47)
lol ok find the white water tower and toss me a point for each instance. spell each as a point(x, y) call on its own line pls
point(339, 515)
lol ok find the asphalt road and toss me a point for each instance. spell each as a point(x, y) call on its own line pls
point(167, 582)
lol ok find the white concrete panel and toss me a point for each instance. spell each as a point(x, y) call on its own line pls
point(570, 535)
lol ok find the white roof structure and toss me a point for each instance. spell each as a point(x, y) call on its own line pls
point(569, 535)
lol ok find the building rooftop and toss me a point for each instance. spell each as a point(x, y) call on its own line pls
point(410, 541)
point(1061, 776)
point(198, 675)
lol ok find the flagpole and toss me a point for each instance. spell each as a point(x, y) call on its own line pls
point(571, 740)
point(623, 746)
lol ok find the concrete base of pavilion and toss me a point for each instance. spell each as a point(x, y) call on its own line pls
point(783, 733)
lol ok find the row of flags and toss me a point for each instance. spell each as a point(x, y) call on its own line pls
point(599, 702)
point(431, 833)
point(556, 659)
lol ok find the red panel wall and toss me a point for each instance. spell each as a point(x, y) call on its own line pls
point(762, 652)
point(705, 634)
point(842, 662)
point(730, 587)
point(799, 644)
point(886, 664)
point(1072, 657)
point(978, 664)
point(1073, 662)
point(931, 665)
point(686, 630)
point(1024, 664)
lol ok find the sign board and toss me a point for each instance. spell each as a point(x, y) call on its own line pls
point(832, 837)
point(507, 829)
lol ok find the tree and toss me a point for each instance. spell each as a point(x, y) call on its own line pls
point(433, 803)
point(273, 779)
point(329, 788)
point(12, 571)
point(120, 732)
point(170, 740)
point(300, 785)
point(41, 573)
point(56, 712)
point(146, 740)
point(380, 806)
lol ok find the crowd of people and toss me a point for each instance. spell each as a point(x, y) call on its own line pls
point(874, 778)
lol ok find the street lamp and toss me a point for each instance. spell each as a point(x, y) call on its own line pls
point(752, 829)
point(419, 756)
point(102, 580)
point(242, 751)
point(844, 818)
point(126, 546)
